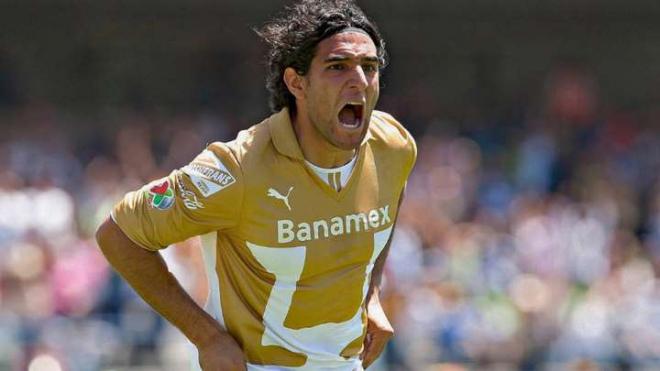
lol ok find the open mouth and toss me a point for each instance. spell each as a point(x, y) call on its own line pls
point(350, 116)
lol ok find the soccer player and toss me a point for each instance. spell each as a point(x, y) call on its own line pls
point(301, 208)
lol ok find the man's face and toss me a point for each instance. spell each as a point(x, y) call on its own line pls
point(341, 88)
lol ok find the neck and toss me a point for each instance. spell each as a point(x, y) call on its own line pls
point(316, 148)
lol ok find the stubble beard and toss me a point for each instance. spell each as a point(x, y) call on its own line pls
point(334, 137)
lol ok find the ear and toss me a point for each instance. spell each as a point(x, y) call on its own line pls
point(295, 82)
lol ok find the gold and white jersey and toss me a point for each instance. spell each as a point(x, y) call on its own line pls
point(290, 257)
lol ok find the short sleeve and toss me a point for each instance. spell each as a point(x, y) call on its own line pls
point(412, 148)
point(203, 196)
point(398, 139)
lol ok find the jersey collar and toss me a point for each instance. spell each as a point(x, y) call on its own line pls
point(284, 137)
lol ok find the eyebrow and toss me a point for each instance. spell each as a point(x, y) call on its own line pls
point(332, 59)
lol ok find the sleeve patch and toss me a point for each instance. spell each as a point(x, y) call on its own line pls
point(208, 174)
point(160, 195)
point(189, 197)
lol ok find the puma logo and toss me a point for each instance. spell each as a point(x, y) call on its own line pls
point(275, 194)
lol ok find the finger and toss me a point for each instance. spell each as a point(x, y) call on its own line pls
point(369, 356)
point(376, 347)
point(366, 345)
point(367, 361)
point(365, 353)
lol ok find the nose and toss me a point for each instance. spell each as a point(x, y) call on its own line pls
point(359, 79)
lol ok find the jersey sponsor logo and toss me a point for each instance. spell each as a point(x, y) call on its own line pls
point(208, 174)
point(160, 195)
point(272, 192)
point(288, 231)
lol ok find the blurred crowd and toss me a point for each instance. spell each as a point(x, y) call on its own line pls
point(527, 240)
point(532, 240)
point(59, 178)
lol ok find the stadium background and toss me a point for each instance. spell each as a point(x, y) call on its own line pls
point(530, 236)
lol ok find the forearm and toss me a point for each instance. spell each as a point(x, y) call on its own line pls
point(379, 265)
point(377, 275)
point(147, 273)
point(379, 328)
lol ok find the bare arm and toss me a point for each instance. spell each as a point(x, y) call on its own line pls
point(379, 265)
point(379, 329)
point(377, 272)
point(147, 273)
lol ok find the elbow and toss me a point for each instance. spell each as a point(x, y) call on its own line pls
point(102, 234)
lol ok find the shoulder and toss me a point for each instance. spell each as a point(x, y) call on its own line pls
point(247, 143)
point(387, 132)
point(224, 162)
point(214, 169)
point(250, 154)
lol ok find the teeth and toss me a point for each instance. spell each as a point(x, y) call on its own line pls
point(350, 116)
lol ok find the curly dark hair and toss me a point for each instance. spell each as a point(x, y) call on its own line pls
point(294, 34)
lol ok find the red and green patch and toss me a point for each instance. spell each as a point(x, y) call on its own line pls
point(161, 195)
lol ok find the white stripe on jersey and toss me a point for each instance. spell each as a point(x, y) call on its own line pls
point(213, 305)
point(322, 343)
